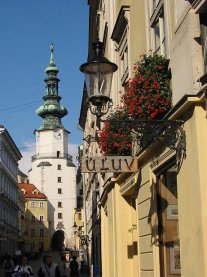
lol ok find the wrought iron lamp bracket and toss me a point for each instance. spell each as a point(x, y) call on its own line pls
point(84, 240)
point(99, 105)
point(169, 133)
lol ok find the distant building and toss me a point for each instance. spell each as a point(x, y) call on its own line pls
point(35, 225)
point(53, 171)
point(21, 216)
point(9, 157)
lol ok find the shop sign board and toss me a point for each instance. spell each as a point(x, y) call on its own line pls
point(109, 164)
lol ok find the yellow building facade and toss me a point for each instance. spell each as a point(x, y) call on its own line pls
point(35, 223)
point(153, 222)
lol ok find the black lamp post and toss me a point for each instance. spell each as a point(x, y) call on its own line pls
point(98, 77)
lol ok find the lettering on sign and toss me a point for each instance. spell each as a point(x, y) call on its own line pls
point(109, 164)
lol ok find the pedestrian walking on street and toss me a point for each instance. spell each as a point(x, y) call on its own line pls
point(8, 266)
point(23, 269)
point(48, 268)
point(74, 267)
point(62, 266)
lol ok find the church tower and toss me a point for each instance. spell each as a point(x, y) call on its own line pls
point(53, 171)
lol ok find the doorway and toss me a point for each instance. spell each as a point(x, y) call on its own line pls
point(57, 240)
point(168, 223)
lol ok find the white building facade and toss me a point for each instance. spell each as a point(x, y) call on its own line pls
point(9, 157)
point(53, 171)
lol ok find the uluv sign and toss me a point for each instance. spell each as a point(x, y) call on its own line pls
point(109, 164)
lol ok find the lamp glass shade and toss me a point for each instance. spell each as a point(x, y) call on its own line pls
point(98, 77)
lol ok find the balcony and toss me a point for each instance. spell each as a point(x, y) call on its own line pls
point(53, 155)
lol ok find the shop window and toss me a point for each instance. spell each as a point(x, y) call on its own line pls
point(168, 223)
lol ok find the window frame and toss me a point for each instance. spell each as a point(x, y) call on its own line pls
point(33, 232)
point(60, 216)
point(32, 204)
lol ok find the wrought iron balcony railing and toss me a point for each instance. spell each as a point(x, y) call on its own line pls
point(53, 155)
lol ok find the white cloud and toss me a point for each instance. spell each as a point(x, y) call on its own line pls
point(25, 163)
point(73, 151)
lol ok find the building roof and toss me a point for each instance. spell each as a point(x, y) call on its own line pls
point(30, 191)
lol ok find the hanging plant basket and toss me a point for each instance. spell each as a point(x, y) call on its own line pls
point(147, 97)
point(148, 94)
point(115, 137)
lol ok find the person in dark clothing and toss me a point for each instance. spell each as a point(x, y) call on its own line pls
point(8, 266)
point(74, 267)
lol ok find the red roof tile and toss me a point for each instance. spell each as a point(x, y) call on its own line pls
point(29, 188)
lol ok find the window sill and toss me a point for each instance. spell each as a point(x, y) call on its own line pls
point(203, 79)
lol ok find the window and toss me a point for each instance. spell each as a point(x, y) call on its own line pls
point(59, 191)
point(79, 216)
point(60, 216)
point(33, 233)
point(203, 22)
point(33, 218)
point(58, 154)
point(157, 25)
point(120, 36)
point(168, 223)
point(59, 204)
point(41, 204)
point(59, 167)
point(41, 246)
point(32, 204)
point(41, 218)
point(59, 180)
point(42, 232)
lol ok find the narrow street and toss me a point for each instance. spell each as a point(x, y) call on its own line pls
point(35, 264)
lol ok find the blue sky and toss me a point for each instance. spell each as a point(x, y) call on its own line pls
point(27, 28)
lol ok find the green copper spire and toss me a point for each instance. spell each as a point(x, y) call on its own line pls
point(51, 111)
point(51, 54)
point(52, 66)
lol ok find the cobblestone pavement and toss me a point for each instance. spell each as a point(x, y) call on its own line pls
point(36, 265)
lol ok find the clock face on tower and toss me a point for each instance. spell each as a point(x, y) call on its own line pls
point(58, 135)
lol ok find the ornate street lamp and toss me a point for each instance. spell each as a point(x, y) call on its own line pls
point(98, 77)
